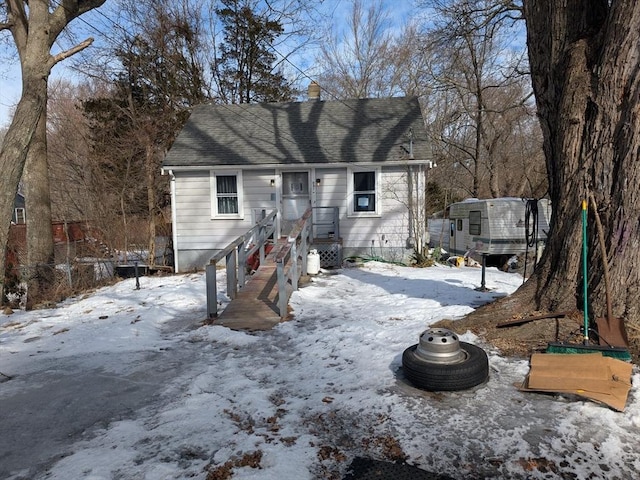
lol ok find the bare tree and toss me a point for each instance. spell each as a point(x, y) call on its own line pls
point(72, 195)
point(34, 27)
point(137, 113)
point(477, 77)
point(358, 63)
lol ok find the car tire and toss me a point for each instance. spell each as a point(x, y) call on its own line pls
point(436, 377)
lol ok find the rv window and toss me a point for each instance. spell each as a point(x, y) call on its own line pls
point(459, 225)
point(475, 220)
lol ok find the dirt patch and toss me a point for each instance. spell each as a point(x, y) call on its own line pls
point(521, 340)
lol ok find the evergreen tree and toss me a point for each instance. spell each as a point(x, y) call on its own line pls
point(243, 69)
point(145, 107)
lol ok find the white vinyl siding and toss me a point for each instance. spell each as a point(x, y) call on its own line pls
point(198, 236)
point(386, 233)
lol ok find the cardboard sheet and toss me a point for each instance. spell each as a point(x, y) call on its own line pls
point(589, 375)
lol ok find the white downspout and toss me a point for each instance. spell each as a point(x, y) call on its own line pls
point(174, 223)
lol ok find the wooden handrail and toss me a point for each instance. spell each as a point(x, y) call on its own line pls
point(287, 269)
point(244, 237)
point(236, 255)
point(291, 261)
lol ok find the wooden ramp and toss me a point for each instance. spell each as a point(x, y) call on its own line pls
point(255, 307)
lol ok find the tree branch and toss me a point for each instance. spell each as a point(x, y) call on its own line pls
point(17, 22)
point(68, 10)
point(72, 51)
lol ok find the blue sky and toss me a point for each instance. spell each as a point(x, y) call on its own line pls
point(337, 11)
point(9, 92)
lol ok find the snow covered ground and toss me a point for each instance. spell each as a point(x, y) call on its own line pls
point(127, 384)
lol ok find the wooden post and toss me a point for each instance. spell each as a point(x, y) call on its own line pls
point(212, 290)
point(232, 274)
point(262, 239)
point(304, 248)
point(242, 263)
point(282, 289)
point(293, 270)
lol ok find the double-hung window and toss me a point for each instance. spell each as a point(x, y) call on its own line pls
point(20, 216)
point(365, 185)
point(226, 194)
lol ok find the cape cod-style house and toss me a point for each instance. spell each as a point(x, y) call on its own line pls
point(349, 160)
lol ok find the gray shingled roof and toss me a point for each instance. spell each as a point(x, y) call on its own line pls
point(313, 132)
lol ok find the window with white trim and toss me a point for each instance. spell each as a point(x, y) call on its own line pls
point(365, 185)
point(20, 216)
point(226, 194)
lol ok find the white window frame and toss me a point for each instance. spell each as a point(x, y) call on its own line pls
point(351, 192)
point(21, 216)
point(213, 174)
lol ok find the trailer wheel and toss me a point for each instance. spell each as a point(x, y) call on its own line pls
point(440, 362)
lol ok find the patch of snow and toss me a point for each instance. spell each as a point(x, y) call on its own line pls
point(145, 390)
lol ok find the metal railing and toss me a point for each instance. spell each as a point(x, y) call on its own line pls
point(236, 255)
point(326, 219)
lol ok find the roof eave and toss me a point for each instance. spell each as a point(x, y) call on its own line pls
point(265, 166)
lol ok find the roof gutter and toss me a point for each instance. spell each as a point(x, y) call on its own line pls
point(193, 168)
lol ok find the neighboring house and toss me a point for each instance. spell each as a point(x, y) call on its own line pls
point(69, 238)
point(19, 213)
point(231, 164)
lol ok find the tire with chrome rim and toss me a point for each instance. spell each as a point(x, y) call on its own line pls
point(440, 362)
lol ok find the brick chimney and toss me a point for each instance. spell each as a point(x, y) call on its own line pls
point(313, 92)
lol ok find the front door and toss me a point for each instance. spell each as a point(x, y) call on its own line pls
point(295, 198)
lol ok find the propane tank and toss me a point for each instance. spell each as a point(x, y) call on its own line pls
point(313, 262)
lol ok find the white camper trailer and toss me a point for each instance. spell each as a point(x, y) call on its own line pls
point(490, 227)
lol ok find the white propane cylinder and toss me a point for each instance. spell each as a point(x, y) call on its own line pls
point(313, 262)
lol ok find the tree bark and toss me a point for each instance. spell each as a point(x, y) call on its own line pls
point(12, 159)
point(34, 28)
point(40, 254)
point(151, 167)
point(585, 59)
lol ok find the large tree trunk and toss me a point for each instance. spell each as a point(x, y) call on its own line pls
point(36, 68)
point(12, 159)
point(40, 255)
point(585, 58)
point(34, 27)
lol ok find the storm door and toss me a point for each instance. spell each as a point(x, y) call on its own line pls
point(295, 198)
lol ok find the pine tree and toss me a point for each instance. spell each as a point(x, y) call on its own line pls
point(244, 67)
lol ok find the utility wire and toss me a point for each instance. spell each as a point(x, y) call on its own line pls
point(248, 117)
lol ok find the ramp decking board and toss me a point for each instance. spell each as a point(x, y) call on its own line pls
point(255, 307)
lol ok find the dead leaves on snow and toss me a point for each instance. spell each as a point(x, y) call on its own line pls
point(225, 471)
